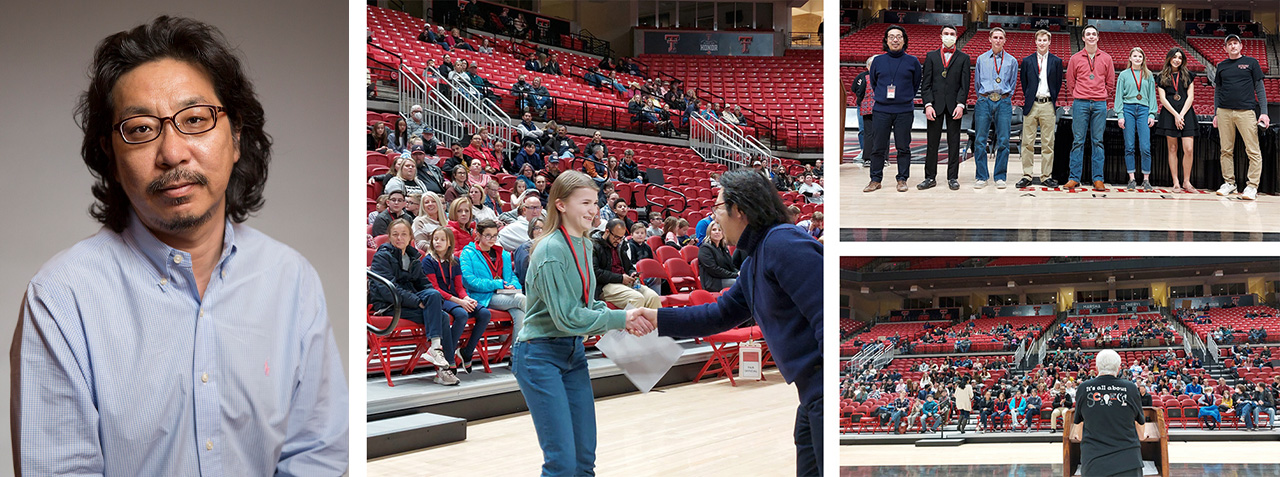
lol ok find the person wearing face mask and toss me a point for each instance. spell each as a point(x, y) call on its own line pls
point(944, 88)
point(417, 122)
point(1041, 76)
point(995, 74)
point(895, 78)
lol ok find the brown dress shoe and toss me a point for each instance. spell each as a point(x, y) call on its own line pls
point(1099, 185)
point(871, 187)
point(902, 186)
point(1071, 185)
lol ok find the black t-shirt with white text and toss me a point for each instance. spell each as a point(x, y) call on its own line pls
point(1236, 80)
point(1109, 406)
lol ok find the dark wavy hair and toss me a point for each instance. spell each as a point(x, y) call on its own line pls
point(201, 45)
point(884, 42)
point(754, 197)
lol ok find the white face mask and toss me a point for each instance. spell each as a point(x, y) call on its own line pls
point(948, 40)
point(417, 116)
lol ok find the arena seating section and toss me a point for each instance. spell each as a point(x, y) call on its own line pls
point(1234, 318)
point(1212, 50)
point(908, 331)
point(981, 336)
point(1111, 337)
point(862, 44)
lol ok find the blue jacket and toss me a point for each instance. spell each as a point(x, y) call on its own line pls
point(534, 160)
point(700, 230)
point(776, 285)
point(477, 277)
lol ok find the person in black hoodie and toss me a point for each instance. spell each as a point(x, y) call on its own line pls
point(616, 277)
point(629, 170)
point(715, 265)
point(777, 286)
point(399, 262)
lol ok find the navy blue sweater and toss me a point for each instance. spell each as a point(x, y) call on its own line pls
point(901, 70)
point(777, 285)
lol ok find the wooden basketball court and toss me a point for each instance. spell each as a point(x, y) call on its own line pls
point(708, 428)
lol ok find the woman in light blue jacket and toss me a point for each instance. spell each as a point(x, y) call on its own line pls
point(488, 276)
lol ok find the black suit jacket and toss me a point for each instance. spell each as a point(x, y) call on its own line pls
point(1030, 79)
point(945, 93)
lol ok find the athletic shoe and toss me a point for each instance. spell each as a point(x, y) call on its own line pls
point(1250, 193)
point(1050, 183)
point(445, 378)
point(1132, 185)
point(436, 357)
point(1146, 185)
point(979, 184)
point(1000, 184)
point(1227, 189)
point(1026, 181)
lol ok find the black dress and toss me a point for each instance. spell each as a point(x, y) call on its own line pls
point(1166, 125)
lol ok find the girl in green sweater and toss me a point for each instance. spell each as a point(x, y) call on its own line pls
point(1136, 106)
point(548, 357)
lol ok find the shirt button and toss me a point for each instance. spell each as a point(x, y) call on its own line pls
point(208, 444)
point(164, 281)
point(202, 312)
point(177, 259)
point(224, 274)
point(204, 378)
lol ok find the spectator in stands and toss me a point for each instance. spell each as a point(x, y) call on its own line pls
point(895, 78)
point(445, 274)
point(985, 406)
point(518, 194)
point(486, 47)
point(477, 175)
point(461, 221)
point(479, 149)
point(814, 227)
point(516, 233)
point(561, 145)
point(635, 248)
point(621, 211)
point(535, 63)
point(480, 210)
point(378, 139)
point(995, 75)
point(459, 74)
point(406, 178)
point(520, 257)
point(1266, 404)
point(901, 408)
point(715, 263)
point(416, 121)
point(398, 262)
point(811, 190)
point(1108, 406)
point(1041, 76)
point(1194, 387)
point(629, 170)
point(1018, 406)
point(1032, 405)
point(1135, 104)
point(656, 225)
point(1239, 80)
point(395, 210)
point(528, 131)
point(1062, 402)
point(1090, 77)
point(455, 40)
point(481, 84)
point(458, 187)
point(520, 92)
point(488, 276)
point(944, 83)
point(1176, 93)
point(528, 158)
point(1000, 411)
point(617, 281)
point(379, 206)
point(597, 139)
point(493, 197)
point(540, 98)
point(594, 164)
point(593, 77)
point(431, 216)
point(446, 66)
point(553, 66)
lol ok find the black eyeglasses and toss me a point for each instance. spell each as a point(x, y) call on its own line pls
point(191, 120)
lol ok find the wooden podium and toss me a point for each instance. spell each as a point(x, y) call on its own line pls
point(1155, 446)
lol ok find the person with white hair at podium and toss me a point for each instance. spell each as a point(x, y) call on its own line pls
point(1109, 408)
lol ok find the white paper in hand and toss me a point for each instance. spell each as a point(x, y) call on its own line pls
point(643, 359)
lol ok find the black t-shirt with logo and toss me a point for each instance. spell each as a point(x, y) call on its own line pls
point(1236, 79)
point(1109, 406)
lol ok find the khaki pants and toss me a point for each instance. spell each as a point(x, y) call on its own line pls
point(1059, 412)
point(1229, 121)
point(1042, 116)
point(621, 295)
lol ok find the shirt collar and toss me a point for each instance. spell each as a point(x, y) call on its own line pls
point(160, 254)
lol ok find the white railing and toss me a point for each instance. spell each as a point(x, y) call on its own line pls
point(884, 357)
point(1212, 344)
point(481, 112)
point(726, 144)
point(1019, 353)
point(439, 112)
point(1044, 349)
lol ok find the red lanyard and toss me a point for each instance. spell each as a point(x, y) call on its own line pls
point(993, 61)
point(495, 266)
point(1038, 67)
point(946, 62)
point(586, 299)
point(1136, 80)
point(1177, 81)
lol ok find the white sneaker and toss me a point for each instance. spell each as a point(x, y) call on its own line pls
point(1250, 193)
point(979, 184)
point(1227, 189)
point(436, 357)
point(446, 378)
point(1000, 184)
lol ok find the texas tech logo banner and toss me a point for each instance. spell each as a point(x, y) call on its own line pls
point(672, 41)
point(746, 44)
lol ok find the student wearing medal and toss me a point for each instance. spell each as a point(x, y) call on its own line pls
point(548, 358)
point(1177, 122)
point(944, 88)
point(1135, 105)
point(1041, 77)
point(1090, 77)
point(996, 74)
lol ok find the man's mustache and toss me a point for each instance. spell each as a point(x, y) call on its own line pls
point(175, 177)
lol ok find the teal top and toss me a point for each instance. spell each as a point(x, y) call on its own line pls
point(1127, 92)
point(554, 288)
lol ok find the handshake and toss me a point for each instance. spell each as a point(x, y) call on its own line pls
point(642, 321)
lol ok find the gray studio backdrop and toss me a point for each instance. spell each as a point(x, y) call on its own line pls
point(296, 53)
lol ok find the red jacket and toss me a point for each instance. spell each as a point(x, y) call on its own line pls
point(461, 235)
point(486, 156)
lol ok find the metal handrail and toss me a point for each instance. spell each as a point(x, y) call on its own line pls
point(726, 144)
point(665, 206)
point(481, 112)
point(394, 308)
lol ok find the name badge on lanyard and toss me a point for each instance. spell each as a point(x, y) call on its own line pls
point(889, 93)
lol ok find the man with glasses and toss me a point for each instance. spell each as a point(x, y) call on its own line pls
point(395, 210)
point(895, 77)
point(516, 232)
point(617, 281)
point(176, 340)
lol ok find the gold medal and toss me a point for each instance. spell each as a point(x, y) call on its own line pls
point(944, 74)
point(997, 80)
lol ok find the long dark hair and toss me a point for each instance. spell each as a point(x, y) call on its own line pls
point(1167, 73)
point(754, 197)
point(201, 45)
point(884, 42)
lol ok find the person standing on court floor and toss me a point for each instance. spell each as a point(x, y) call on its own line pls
point(1090, 76)
point(1135, 105)
point(995, 75)
point(1176, 92)
point(895, 78)
point(1240, 102)
point(860, 93)
point(1109, 408)
point(1041, 76)
point(944, 88)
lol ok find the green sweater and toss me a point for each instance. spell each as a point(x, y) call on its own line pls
point(1127, 92)
point(554, 293)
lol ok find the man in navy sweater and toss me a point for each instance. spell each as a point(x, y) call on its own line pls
point(895, 78)
point(777, 286)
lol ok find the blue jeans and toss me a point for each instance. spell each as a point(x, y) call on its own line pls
point(862, 136)
point(1270, 411)
point(983, 112)
point(882, 124)
point(552, 374)
point(1248, 412)
point(1088, 117)
point(1135, 122)
point(430, 316)
point(460, 316)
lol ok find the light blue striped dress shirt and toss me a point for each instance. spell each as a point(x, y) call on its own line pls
point(120, 368)
point(984, 74)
